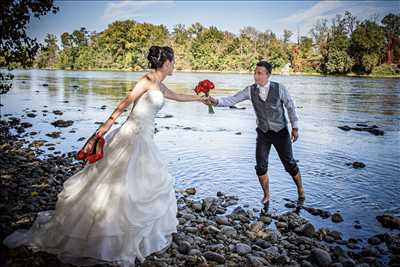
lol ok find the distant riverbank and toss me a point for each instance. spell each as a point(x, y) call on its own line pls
point(276, 72)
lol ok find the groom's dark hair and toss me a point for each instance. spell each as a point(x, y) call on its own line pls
point(266, 65)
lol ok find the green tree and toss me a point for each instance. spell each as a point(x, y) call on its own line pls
point(72, 45)
point(338, 61)
point(286, 36)
point(181, 44)
point(320, 33)
point(343, 25)
point(207, 49)
point(69, 52)
point(336, 58)
point(48, 57)
point(367, 44)
point(15, 45)
point(370, 61)
point(305, 45)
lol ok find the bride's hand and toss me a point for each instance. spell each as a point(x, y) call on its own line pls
point(101, 132)
point(103, 129)
point(89, 144)
point(92, 139)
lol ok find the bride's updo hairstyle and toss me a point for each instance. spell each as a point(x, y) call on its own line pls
point(158, 55)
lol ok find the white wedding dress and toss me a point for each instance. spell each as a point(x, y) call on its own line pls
point(118, 209)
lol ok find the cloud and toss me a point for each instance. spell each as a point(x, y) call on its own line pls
point(306, 19)
point(128, 9)
point(320, 9)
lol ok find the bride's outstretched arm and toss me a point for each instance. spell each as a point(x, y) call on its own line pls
point(181, 97)
point(140, 88)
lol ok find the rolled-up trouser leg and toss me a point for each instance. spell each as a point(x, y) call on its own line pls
point(263, 147)
point(283, 146)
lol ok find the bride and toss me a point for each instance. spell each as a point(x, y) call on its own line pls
point(123, 206)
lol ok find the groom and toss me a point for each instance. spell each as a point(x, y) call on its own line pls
point(269, 99)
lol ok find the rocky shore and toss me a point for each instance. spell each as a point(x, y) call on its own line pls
point(214, 231)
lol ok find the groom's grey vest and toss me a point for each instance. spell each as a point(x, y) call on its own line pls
point(270, 113)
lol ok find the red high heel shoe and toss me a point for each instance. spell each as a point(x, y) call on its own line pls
point(97, 152)
point(82, 154)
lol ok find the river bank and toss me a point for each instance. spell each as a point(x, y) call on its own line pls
point(213, 231)
point(274, 72)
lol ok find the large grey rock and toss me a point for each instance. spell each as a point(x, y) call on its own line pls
point(229, 231)
point(272, 252)
point(242, 249)
point(212, 229)
point(210, 205)
point(307, 230)
point(389, 221)
point(213, 256)
point(262, 243)
point(215, 247)
point(222, 220)
point(197, 207)
point(321, 257)
point(256, 227)
point(191, 229)
point(184, 247)
point(255, 261)
point(337, 218)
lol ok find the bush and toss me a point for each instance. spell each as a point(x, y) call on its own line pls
point(309, 69)
point(369, 62)
point(338, 62)
point(386, 69)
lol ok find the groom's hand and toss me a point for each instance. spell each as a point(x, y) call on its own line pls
point(204, 100)
point(295, 134)
point(212, 101)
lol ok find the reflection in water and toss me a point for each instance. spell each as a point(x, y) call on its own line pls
point(216, 152)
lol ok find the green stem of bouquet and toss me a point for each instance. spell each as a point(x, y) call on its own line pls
point(210, 107)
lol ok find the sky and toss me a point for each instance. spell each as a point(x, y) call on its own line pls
point(297, 16)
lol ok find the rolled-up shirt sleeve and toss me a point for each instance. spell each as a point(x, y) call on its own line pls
point(240, 96)
point(290, 106)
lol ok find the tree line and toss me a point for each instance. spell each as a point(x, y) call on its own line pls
point(343, 45)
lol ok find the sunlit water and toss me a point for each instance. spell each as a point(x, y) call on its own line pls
point(212, 156)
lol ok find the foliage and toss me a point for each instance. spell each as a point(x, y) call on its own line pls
point(15, 45)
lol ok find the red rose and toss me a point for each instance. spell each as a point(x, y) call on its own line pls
point(200, 89)
point(208, 84)
point(204, 87)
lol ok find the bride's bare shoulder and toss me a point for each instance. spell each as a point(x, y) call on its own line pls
point(147, 81)
point(144, 83)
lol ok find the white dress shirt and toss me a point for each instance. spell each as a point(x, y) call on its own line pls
point(264, 90)
point(244, 94)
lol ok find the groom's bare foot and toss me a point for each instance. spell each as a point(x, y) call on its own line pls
point(265, 200)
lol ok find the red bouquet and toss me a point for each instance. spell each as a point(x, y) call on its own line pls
point(204, 87)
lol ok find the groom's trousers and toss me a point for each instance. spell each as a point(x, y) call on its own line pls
point(283, 145)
